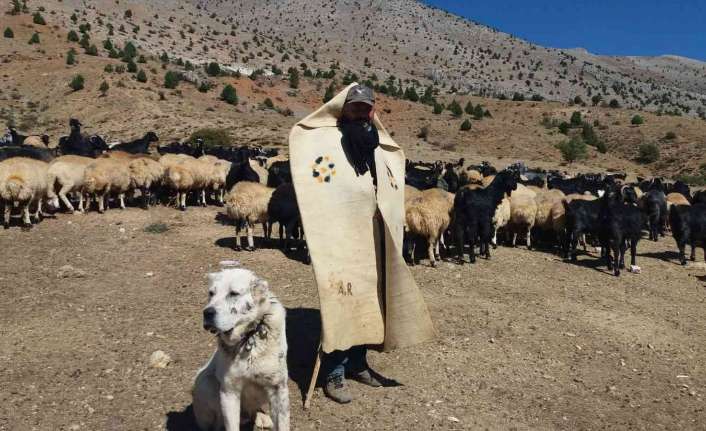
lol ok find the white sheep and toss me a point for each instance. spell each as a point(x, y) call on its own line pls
point(145, 173)
point(187, 174)
point(107, 175)
point(246, 204)
point(23, 182)
point(218, 171)
point(523, 209)
point(428, 216)
point(66, 174)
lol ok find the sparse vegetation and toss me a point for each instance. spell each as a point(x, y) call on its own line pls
point(71, 57)
point(34, 39)
point(455, 108)
point(670, 136)
point(38, 19)
point(637, 120)
point(213, 69)
point(156, 228)
point(141, 76)
point(329, 93)
point(104, 88)
point(72, 36)
point(648, 153)
point(212, 137)
point(572, 150)
point(171, 79)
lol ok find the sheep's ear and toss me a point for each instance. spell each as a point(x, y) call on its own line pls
point(259, 288)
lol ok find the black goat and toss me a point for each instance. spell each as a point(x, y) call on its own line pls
point(28, 151)
point(474, 210)
point(240, 170)
point(700, 197)
point(582, 218)
point(688, 225)
point(620, 225)
point(194, 150)
point(423, 176)
point(279, 173)
point(655, 206)
point(138, 146)
point(283, 209)
point(79, 145)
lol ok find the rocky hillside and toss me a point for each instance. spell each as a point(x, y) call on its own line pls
point(330, 43)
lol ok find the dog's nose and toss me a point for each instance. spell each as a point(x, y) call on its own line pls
point(209, 313)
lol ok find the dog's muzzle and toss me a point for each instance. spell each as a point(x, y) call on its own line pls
point(209, 314)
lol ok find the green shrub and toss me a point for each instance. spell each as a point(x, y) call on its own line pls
point(517, 97)
point(466, 125)
point(108, 68)
point(478, 112)
point(212, 137)
point(637, 120)
point(171, 79)
point(614, 104)
point(574, 149)
point(76, 83)
point(329, 93)
point(104, 88)
point(131, 67)
point(205, 86)
point(72, 36)
point(670, 136)
point(108, 45)
point(213, 69)
point(267, 103)
point(120, 68)
point(229, 95)
point(156, 228)
point(71, 57)
point(9, 33)
point(438, 108)
point(601, 147)
point(469, 108)
point(34, 39)
point(564, 128)
point(576, 119)
point(596, 99)
point(293, 78)
point(92, 50)
point(648, 153)
point(37, 18)
point(141, 76)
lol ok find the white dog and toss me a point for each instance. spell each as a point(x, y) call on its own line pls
point(250, 365)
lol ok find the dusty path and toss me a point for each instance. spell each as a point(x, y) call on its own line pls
point(525, 340)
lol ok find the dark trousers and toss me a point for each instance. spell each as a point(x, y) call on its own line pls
point(352, 361)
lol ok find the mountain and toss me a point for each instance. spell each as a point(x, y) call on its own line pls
point(395, 44)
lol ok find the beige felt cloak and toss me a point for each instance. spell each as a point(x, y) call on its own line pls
point(366, 298)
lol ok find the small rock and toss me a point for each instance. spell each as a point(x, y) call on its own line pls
point(453, 419)
point(149, 274)
point(68, 271)
point(121, 230)
point(74, 427)
point(109, 397)
point(569, 334)
point(159, 359)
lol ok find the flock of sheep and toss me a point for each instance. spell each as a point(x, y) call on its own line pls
point(456, 205)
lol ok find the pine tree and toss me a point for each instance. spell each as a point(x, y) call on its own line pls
point(438, 108)
point(9, 33)
point(478, 112)
point(573, 149)
point(131, 67)
point(469, 108)
point(466, 125)
point(455, 108)
point(576, 119)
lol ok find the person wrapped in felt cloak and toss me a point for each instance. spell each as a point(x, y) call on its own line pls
point(349, 178)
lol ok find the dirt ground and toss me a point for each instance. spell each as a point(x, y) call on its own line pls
point(526, 341)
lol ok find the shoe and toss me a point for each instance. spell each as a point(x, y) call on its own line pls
point(366, 378)
point(335, 389)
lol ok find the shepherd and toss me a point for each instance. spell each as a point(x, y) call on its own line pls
point(348, 175)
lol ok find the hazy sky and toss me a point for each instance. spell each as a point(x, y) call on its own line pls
point(616, 27)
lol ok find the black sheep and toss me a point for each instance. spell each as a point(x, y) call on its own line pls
point(474, 211)
point(688, 225)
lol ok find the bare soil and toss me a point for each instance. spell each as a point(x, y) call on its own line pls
point(526, 341)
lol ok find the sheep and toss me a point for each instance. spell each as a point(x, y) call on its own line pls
point(259, 170)
point(500, 219)
point(218, 171)
point(23, 182)
point(145, 174)
point(66, 173)
point(546, 200)
point(37, 141)
point(184, 174)
point(474, 210)
point(523, 210)
point(410, 193)
point(676, 198)
point(428, 216)
point(246, 204)
point(104, 176)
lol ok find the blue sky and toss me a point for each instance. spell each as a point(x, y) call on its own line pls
point(617, 27)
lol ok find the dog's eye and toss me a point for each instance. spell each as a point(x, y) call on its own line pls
point(232, 294)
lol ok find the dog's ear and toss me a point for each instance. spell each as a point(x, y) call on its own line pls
point(259, 288)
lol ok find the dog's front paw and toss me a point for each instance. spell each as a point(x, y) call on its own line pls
point(263, 421)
